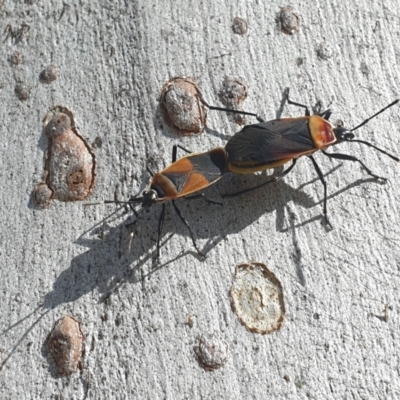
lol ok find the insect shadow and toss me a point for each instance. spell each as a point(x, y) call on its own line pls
point(115, 257)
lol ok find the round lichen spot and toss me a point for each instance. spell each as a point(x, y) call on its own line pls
point(211, 351)
point(15, 58)
point(239, 26)
point(257, 298)
point(65, 344)
point(70, 165)
point(325, 51)
point(22, 92)
point(49, 74)
point(232, 94)
point(42, 196)
point(288, 21)
point(181, 106)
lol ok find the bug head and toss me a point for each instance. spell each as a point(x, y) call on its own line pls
point(149, 198)
point(346, 135)
point(343, 134)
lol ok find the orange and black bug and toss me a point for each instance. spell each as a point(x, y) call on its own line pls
point(183, 177)
point(255, 148)
point(271, 144)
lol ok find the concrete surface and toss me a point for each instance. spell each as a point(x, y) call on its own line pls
point(113, 58)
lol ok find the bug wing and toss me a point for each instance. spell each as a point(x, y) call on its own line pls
point(195, 171)
point(270, 141)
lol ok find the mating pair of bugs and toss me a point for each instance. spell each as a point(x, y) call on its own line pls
point(257, 147)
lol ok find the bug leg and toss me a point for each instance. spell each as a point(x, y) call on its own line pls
point(150, 171)
point(346, 157)
point(182, 218)
point(230, 110)
point(132, 202)
point(296, 104)
point(160, 227)
point(274, 179)
point(322, 179)
point(175, 149)
point(131, 206)
point(202, 195)
point(325, 114)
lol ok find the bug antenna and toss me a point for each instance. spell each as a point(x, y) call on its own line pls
point(97, 203)
point(376, 148)
point(136, 199)
point(376, 114)
point(132, 200)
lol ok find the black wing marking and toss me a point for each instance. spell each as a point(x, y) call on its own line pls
point(270, 141)
point(210, 165)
